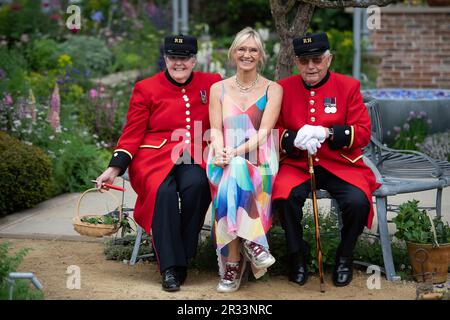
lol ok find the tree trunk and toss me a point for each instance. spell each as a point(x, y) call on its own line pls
point(288, 30)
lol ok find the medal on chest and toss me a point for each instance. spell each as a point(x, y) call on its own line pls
point(329, 105)
point(203, 96)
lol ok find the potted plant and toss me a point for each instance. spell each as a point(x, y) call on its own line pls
point(427, 241)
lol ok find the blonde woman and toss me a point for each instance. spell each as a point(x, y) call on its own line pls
point(243, 161)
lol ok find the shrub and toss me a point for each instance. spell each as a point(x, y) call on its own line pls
point(25, 173)
point(41, 54)
point(9, 263)
point(414, 225)
point(78, 164)
point(90, 55)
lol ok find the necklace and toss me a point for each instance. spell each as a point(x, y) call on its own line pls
point(244, 88)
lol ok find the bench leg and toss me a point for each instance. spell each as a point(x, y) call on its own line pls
point(137, 244)
point(384, 238)
point(439, 202)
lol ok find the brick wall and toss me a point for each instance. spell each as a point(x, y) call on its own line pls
point(413, 47)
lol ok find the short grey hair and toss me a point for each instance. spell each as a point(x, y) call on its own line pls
point(242, 36)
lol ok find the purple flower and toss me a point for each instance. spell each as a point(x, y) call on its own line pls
point(406, 126)
point(412, 114)
point(397, 129)
point(97, 16)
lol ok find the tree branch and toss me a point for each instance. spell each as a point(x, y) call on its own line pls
point(347, 3)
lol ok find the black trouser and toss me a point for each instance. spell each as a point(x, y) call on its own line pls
point(352, 202)
point(176, 226)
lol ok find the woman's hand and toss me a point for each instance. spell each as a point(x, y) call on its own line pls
point(107, 176)
point(230, 153)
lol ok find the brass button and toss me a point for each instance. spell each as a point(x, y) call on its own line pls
point(187, 141)
point(312, 93)
point(312, 110)
point(183, 90)
point(188, 134)
point(286, 134)
point(188, 105)
point(188, 112)
point(311, 102)
point(188, 126)
point(188, 119)
point(316, 159)
point(313, 119)
point(347, 132)
point(284, 151)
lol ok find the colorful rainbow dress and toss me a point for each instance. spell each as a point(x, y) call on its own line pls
point(241, 192)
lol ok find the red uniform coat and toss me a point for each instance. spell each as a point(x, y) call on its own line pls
point(302, 106)
point(163, 121)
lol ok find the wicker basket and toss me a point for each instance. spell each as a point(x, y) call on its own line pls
point(91, 229)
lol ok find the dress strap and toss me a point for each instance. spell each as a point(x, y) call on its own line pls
point(267, 89)
point(223, 91)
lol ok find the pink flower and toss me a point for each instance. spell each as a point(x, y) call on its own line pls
point(93, 93)
point(8, 100)
point(55, 106)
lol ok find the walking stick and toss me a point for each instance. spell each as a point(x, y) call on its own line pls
point(316, 222)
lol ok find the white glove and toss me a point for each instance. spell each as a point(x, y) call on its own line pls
point(312, 145)
point(307, 132)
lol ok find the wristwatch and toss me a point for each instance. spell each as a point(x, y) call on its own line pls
point(330, 133)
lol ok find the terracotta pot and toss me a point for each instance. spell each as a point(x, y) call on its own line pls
point(433, 260)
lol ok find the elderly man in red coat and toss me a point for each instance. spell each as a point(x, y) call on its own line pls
point(163, 144)
point(322, 114)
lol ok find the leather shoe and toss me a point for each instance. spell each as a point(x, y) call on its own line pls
point(181, 274)
point(170, 280)
point(298, 272)
point(343, 271)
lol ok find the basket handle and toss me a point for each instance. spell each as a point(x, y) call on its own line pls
point(119, 206)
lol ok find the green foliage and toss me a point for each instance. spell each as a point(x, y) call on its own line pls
point(206, 258)
point(414, 225)
point(77, 165)
point(325, 19)
point(13, 67)
point(341, 45)
point(42, 54)
point(105, 114)
point(121, 248)
point(10, 263)
point(25, 175)
point(25, 17)
point(90, 55)
point(413, 132)
point(105, 219)
point(229, 17)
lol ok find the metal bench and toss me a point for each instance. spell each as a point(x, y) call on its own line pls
point(399, 171)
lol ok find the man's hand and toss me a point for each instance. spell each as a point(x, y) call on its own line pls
point(107, 176)
point(312, 145)
point(307, 132)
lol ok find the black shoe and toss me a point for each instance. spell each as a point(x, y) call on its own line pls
point(298, 272)
point(170, 280)
point(182, 274)
point(343, 271)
